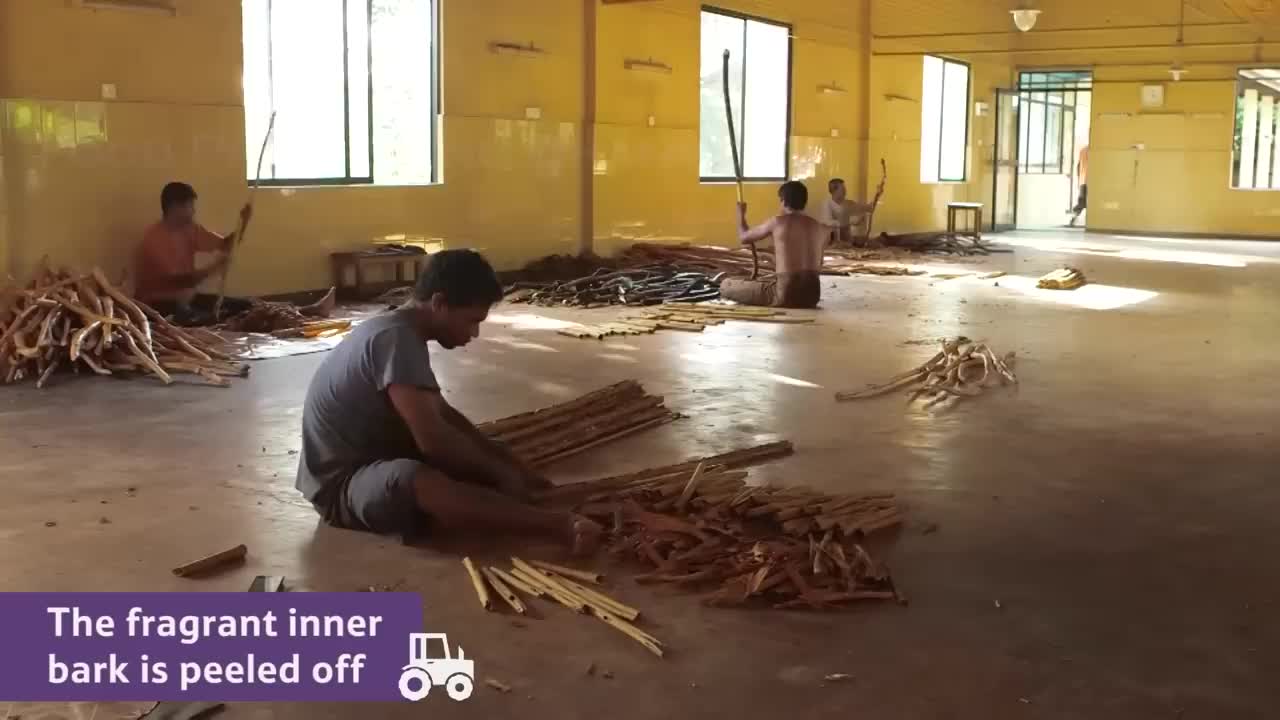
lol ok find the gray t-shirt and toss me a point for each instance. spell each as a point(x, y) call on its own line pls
point(348, 420)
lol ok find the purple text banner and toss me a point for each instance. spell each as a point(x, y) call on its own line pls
point(205, 646)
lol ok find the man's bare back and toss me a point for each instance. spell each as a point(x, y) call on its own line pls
point(798, 241)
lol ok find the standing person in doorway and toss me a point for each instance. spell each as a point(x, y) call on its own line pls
point(1082, 171)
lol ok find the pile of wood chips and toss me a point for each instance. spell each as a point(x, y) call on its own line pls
point(687, 317)
point(698, 526)
point(66, 322)
point(962, 368)
point(553, 433)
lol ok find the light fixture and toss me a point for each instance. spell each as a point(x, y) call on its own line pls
point(1025, 18)
point(649, 65)
point(832, 89)
point(509, 48)
point(1176, 71)
point(148, 6)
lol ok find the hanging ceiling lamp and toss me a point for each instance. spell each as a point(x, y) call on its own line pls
point(1025, 18)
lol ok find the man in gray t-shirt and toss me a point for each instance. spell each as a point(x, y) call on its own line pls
point(382, 450)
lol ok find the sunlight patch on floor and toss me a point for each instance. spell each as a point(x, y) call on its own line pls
point(1089, 297)
point(1188, 257)
point(529, 321)
point(794, 382)
point(521, 344)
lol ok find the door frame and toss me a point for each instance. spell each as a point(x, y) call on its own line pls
point(995, 159)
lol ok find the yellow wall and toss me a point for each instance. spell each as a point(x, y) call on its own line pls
point(646, 178)
point(909, 205)
point(512, 186)
point(82, 176)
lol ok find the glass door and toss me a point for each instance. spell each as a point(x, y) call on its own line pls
point(1004, 191)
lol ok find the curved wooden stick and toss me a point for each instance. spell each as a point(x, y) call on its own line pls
point(737, 162)
point(243, 225)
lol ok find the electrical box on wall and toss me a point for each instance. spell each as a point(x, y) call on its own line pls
point(981, 109)
point(1152, 96)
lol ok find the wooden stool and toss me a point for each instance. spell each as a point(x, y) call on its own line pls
point(975, 214)
point(361, 261)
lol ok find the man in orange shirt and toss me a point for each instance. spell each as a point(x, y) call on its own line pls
point(167, 277)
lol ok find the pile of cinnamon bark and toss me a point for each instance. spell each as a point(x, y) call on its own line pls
point(544, 436)
point(701, 527)
point(62, 322)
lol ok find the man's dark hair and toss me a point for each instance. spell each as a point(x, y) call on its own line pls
point(794, 195)
point(174, 194)
point(834, 183)
point(464, 277)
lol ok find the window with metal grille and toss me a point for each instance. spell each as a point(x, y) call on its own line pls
point(944, 121)
point(759, 90)
point(353, 85)
point(1253, 156)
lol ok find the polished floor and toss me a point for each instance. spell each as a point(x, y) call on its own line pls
point(1100, 543)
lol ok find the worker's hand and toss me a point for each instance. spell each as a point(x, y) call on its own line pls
point(584, 534)
point(246, 213)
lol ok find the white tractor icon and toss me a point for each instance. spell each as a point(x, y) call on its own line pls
point(457, 675)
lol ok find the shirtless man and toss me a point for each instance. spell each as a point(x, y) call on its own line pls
point(798, 241)
point(382, 451)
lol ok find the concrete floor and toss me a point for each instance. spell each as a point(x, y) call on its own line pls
point(1106, 535)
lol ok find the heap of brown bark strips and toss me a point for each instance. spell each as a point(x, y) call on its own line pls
point(700, 527)
point(62, 321)
point(544, 436)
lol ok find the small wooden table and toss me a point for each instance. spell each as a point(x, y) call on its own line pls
point(974, 210)
point(361, 261)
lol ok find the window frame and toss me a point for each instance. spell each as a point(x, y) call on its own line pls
point(349, 180)
point(942, 117)
point(741, 131)
point(1233, 172)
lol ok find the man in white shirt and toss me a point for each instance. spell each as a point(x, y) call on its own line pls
point(839, 214)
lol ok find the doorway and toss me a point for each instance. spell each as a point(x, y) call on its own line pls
point(1041, 159)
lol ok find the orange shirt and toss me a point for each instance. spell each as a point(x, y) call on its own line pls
point(166, 252)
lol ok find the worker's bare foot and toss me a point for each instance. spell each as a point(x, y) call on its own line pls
point(584, 535)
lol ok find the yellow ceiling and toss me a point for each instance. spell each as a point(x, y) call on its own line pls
point(921, 17)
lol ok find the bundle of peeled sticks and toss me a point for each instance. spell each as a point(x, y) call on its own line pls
point(64, 321)
point(700, 527)
point(961, 369)
point(544, 436)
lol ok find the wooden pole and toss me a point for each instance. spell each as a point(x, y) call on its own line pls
point(737, 161)
point(241, 226)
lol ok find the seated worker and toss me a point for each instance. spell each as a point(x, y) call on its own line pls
point(839, 214)
point(384, 452)
point(798, 241)
point(166, 261)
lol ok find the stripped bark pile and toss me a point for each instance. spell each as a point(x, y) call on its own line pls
point(961, 369)
point(569, 587)
point(699, 527)
point(288, 320)
point(691, 317)
point(67, 322)
point(645, 285)
point(542, 437)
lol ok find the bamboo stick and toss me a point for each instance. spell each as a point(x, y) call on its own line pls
point(482, 591)
point(504, 592)
point(571, 573)
point(213, 562)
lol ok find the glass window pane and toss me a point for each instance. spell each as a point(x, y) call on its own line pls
point(764, 138)
point(402, 92)
point(930, 118)
point(306, 87)
point(358, 86)
point(1248, 138)
point(1035, 136)
point(257, 85)
point(1024, 129)
point(955, 121)
point(719, 33)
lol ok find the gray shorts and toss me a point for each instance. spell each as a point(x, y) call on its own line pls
point(379, 498)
